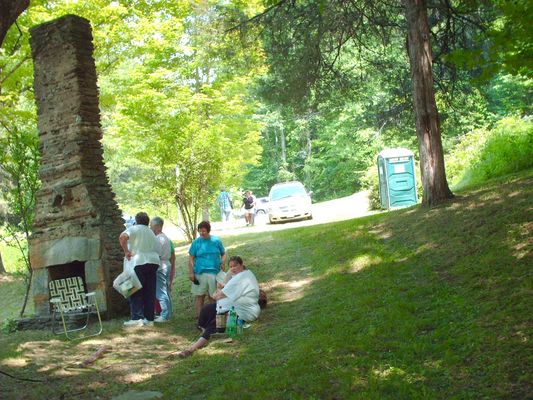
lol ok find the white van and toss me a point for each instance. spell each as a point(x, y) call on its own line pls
point(289, 201)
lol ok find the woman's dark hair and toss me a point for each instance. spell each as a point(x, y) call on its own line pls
point(205, 225)
point(237, 259)
point(263, 301)
point(142, 219)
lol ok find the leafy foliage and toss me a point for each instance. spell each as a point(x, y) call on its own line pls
point(184, 118)
point(504, 45)
point(19, 160)
point(180, 88)
point(173, 96)
point(332, 68)
point(488, 153)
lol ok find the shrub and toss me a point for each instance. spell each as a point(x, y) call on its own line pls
point(370, 181)
point(8, 325)
point(284, 175)
point(484, 154)
point(465, 154)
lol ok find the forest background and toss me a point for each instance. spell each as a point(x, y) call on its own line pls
point(199, 95)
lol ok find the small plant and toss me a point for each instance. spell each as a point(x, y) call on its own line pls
point(9, 325)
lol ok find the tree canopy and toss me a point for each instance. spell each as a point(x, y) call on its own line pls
point(243, 94)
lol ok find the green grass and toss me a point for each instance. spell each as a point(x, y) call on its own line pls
point(412, 304)
point(12, 291)
point(12, 286)
point(11, 257)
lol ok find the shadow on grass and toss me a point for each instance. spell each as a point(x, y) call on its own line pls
point(413, 304)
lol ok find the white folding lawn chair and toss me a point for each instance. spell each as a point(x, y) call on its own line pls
point(69, 299)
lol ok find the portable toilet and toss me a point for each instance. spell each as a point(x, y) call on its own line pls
point(397, 182)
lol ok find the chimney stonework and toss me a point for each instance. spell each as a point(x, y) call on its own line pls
point(77, 219)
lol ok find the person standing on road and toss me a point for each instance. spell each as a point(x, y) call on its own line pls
point(248, 204)
point(207, 258)
point(163, 272)
point(224, 202)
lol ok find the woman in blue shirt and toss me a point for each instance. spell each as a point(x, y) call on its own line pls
point(207, 257)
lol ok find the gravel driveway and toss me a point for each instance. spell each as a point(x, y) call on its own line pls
point(356, 205)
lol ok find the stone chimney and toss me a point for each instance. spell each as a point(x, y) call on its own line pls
point(77, 222)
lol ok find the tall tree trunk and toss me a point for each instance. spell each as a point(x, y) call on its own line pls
point(2, 269)
point(283, 146)
point(432, 170)
point(9, 12)
point(183, 210)
point(308, 152)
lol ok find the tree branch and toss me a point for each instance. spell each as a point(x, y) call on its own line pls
point(19, 64)
point(5, 126)
point(257, 17)
point(464, 18)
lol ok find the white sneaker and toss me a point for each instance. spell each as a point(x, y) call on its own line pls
point(145, 322)
point(160, 319)
point(134, 322)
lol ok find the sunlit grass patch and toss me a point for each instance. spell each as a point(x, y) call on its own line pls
point(12, 289)
point(11, 257)
point(361, 262)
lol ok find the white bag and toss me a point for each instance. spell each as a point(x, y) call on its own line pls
point(127, 282)
point(128, 265)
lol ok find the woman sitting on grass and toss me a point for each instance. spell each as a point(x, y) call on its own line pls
point(241, 292)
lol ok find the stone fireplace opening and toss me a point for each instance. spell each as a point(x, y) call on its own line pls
point(69, 270)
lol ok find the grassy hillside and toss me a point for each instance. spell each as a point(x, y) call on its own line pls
point(413, 304)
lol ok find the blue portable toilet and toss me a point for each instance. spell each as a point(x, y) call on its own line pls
point(397, 181)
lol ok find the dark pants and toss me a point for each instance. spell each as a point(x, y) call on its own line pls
point(208, 320)
point(142, 302)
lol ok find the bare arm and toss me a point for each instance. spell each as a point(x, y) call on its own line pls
point(123, 240)
point(191, 268)
point(223, 262)
point(172, 268)
point(228, 276)
point(219, 295)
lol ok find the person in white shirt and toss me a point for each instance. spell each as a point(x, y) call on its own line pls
point(163, 272)
point(141, 245)
point(241, 292)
